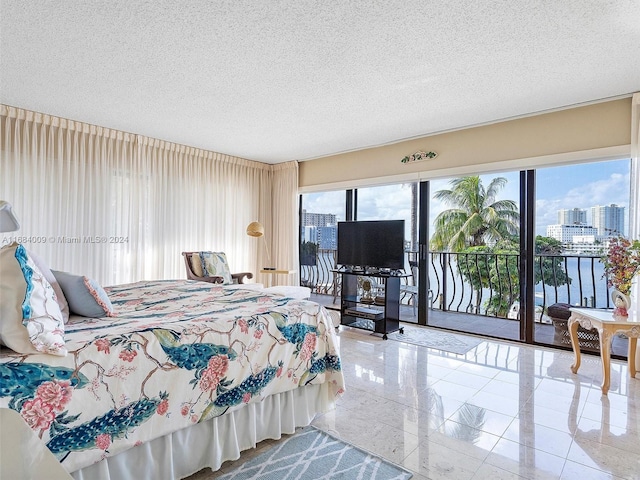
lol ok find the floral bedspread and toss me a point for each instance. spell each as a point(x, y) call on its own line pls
point(178, 352)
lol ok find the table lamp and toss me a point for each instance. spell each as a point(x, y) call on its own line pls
point(255, 229)
point(8, 221)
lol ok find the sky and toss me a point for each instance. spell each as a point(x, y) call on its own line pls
point(573, 186)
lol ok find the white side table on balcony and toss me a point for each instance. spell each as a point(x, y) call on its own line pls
point(607, 325)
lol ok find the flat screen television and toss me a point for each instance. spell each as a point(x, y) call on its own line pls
point(375, 244)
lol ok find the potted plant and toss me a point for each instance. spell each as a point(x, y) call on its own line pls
point(621, 265)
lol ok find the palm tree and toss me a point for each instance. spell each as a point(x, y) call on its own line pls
point(477, 218)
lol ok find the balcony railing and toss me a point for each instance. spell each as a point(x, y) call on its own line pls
point(486, 283)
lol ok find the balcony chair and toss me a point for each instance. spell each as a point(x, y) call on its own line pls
point(559, 313)
point(212, 267)
point(412, 290)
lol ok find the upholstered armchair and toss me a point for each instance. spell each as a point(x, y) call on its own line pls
point(212, 267)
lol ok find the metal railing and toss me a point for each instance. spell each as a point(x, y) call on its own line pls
point(476, 283)
point(486, 284)
point(320, 277)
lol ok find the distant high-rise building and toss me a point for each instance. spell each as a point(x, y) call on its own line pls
point(328, 237)
point(318, 219)
point(566, 233)
point(309, 234)
point(319, 228)
point(573, 216)
point(608, 219)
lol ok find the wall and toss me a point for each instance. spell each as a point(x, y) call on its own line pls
point(601, 128)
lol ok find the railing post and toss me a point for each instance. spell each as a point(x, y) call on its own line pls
point(445, 268)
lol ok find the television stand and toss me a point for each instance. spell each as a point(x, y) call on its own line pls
point(381, 316)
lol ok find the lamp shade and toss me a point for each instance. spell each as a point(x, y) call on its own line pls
point(255, 229)
point(8, 221)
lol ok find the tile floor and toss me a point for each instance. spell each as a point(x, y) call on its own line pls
point(502, 411)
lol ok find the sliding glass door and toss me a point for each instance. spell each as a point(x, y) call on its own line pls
point(473, 259)
point(487, 254)
point(578, 209)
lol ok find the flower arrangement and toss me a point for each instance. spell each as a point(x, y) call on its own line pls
point(621, 263)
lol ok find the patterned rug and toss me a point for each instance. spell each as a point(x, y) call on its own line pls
point(428, 337)
point(312, 454)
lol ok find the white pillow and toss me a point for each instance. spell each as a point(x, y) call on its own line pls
point(48, 274)
point(30, 317)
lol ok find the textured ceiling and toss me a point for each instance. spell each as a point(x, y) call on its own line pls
point(286, 80)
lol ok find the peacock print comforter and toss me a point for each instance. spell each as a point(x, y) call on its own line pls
point(177, 353)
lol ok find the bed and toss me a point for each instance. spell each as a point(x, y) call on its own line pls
point(184, 375)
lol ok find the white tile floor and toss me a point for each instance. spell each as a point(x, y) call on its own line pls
point(502, 411)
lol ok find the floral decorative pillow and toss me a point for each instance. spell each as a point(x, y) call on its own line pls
point(30, 317)
point(214, 264)
point(60, 298)
point(85, 296)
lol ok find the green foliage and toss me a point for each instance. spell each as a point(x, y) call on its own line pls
point(485, 231)
point(549, 268)
point(308, 253)
point(476, 218)
point(497, 268)
point(309, 248)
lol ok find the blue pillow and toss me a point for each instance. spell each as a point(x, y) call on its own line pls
point(84, 295)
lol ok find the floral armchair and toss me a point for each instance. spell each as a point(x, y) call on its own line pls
point(212, 267)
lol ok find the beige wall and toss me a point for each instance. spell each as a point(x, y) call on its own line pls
point(596, 128)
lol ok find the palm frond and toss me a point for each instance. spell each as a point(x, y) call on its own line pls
point(476, 218)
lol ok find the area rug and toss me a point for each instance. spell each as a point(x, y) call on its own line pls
point(312, 454)
point(428, 337)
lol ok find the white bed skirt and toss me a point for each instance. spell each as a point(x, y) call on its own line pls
point(213, 442)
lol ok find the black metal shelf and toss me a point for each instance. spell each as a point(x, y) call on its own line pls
point(387, 318)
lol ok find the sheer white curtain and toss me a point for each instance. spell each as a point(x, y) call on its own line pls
point(121, 207)
point(286, 220)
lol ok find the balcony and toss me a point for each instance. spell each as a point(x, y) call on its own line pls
point(478, 293)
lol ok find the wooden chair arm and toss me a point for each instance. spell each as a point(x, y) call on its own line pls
point(241, 277)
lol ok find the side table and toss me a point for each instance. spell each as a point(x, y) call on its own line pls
point(275, 272)
point(607, 325)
